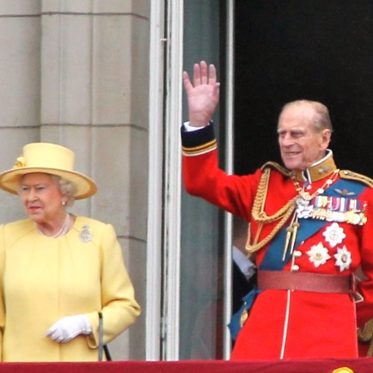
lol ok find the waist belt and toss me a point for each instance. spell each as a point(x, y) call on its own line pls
point(305, 281)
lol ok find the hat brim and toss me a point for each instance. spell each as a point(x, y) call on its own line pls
point(84, 186)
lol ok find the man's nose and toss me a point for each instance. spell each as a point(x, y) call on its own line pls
point(286, 140)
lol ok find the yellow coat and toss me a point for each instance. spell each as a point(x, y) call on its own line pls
point(43, 279)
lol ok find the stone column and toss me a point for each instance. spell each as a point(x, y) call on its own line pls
point(19, 87)
point(94, 65)
point(75, 72)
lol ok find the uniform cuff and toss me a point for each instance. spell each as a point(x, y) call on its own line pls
point(198, 142)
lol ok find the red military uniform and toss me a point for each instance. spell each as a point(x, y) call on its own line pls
point(329, 216)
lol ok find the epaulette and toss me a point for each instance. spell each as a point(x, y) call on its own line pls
point(277, 166)
point(347, 174)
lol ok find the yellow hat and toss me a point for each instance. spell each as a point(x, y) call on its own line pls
point(51, 159)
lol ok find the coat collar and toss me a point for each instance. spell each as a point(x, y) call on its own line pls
point(319, 170)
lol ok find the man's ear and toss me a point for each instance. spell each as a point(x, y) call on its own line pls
point(326, 136)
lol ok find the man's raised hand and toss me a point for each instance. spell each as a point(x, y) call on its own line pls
point(203, 93)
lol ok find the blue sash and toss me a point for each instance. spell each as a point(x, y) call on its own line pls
point(235, 323)
point(308, 227)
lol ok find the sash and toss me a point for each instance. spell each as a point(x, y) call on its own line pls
point(239, 317)
point(308, 227)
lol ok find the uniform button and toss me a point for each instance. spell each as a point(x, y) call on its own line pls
point(295, 267)
point(297, 253)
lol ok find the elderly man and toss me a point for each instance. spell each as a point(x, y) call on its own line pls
point(311, 230)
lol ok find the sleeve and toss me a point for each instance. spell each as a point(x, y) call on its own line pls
point(2, 306)
point(119, 306)
point(364, 286)
point(204, 178)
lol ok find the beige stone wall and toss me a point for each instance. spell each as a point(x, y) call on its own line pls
point(75, 72)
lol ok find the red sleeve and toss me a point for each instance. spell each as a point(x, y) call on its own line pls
point(204, 178)
point(365, 287)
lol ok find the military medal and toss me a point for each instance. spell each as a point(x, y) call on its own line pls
point(334, 234)
point(330, 208)
point(318, 254)
point(243, 318)
point(343, 258)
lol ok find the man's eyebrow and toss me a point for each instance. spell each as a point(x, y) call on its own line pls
point(293, 130)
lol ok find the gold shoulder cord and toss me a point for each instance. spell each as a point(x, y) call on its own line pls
point(347, 174)
point(260, 216)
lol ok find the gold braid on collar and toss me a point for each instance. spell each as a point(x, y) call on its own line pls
point(261, 217)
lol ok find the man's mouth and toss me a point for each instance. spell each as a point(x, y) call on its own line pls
point(290, 154)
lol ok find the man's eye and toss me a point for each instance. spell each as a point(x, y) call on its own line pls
point(297, 134)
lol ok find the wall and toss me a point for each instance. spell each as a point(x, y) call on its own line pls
point(75, 72)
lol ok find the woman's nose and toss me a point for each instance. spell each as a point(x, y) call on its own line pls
point(31, 196)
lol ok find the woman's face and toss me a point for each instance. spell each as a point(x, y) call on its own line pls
point(41, 197)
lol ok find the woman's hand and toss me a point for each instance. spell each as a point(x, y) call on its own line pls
point(67, 328)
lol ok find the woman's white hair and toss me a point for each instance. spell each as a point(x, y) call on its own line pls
point(67, 189)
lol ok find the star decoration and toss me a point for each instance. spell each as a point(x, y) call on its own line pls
point(318, 254)
point(343, 258)
point(334, 234)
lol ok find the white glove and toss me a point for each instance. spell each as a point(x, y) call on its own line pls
point(67, 328)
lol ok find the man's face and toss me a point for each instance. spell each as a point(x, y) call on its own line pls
point(301, 144)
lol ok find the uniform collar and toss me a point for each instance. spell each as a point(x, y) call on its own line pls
point(319, 170)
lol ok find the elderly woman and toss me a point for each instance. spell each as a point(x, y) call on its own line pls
point(58, 271)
